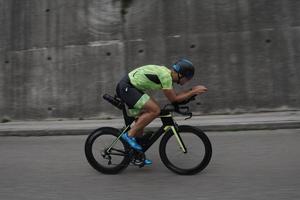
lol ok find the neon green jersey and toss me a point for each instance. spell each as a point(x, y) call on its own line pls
point(151, 77)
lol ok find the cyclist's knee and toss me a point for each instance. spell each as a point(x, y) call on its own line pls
point(152, 107)
point(156, 111)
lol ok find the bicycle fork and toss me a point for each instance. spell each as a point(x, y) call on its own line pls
point(178, 138)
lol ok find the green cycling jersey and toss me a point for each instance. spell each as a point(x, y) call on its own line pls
point(151, 77)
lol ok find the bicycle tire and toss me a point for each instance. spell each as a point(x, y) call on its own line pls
point(91, 158)
point(207, 155)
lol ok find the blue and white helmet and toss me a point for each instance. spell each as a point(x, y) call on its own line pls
point(185, 68)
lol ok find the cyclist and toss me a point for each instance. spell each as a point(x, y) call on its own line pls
point(132, 90)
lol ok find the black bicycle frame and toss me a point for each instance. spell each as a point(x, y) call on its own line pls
point(168, 124)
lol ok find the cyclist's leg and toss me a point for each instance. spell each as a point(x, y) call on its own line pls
point(138, 103)
point(151, 110)
point(140, 133)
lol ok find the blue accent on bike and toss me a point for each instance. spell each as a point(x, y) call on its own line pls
point(132, 142)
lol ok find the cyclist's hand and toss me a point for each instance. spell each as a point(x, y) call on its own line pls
point(199, 89)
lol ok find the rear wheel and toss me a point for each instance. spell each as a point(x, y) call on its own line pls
point(103, 159)
point(197, 157)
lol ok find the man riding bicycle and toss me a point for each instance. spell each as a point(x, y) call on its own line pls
point(132, 90)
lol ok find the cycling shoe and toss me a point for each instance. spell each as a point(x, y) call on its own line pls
point(132, 142)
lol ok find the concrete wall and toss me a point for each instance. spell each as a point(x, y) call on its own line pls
point(58, 56)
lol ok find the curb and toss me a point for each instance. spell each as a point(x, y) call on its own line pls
point(86, 131)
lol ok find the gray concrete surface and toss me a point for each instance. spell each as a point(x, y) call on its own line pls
point(245, 165)
point(57, 57)
point(254, 121)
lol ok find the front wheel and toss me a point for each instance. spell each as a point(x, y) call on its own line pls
point(197, 157)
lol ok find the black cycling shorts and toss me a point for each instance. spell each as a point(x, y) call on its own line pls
point(134, 98)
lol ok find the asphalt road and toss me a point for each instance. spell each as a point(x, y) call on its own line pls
point(245, 165)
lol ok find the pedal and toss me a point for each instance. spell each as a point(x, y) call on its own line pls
point(138, 159)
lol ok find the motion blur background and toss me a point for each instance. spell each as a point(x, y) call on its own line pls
point(57, 57)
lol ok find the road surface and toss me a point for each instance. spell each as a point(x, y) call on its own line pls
point(245, 165)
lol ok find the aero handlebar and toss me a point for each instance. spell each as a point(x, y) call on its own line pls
point(181, 107)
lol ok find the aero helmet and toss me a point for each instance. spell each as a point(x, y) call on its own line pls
point(185, 68)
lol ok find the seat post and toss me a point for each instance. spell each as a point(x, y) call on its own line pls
point(128, 120)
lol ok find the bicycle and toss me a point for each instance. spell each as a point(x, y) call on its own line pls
point(105, 145)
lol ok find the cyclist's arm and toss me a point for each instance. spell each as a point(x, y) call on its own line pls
point(173, 97)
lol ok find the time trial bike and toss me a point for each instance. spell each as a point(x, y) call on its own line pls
point(183, 149)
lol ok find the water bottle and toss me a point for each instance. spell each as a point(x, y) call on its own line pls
point(114, 101)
